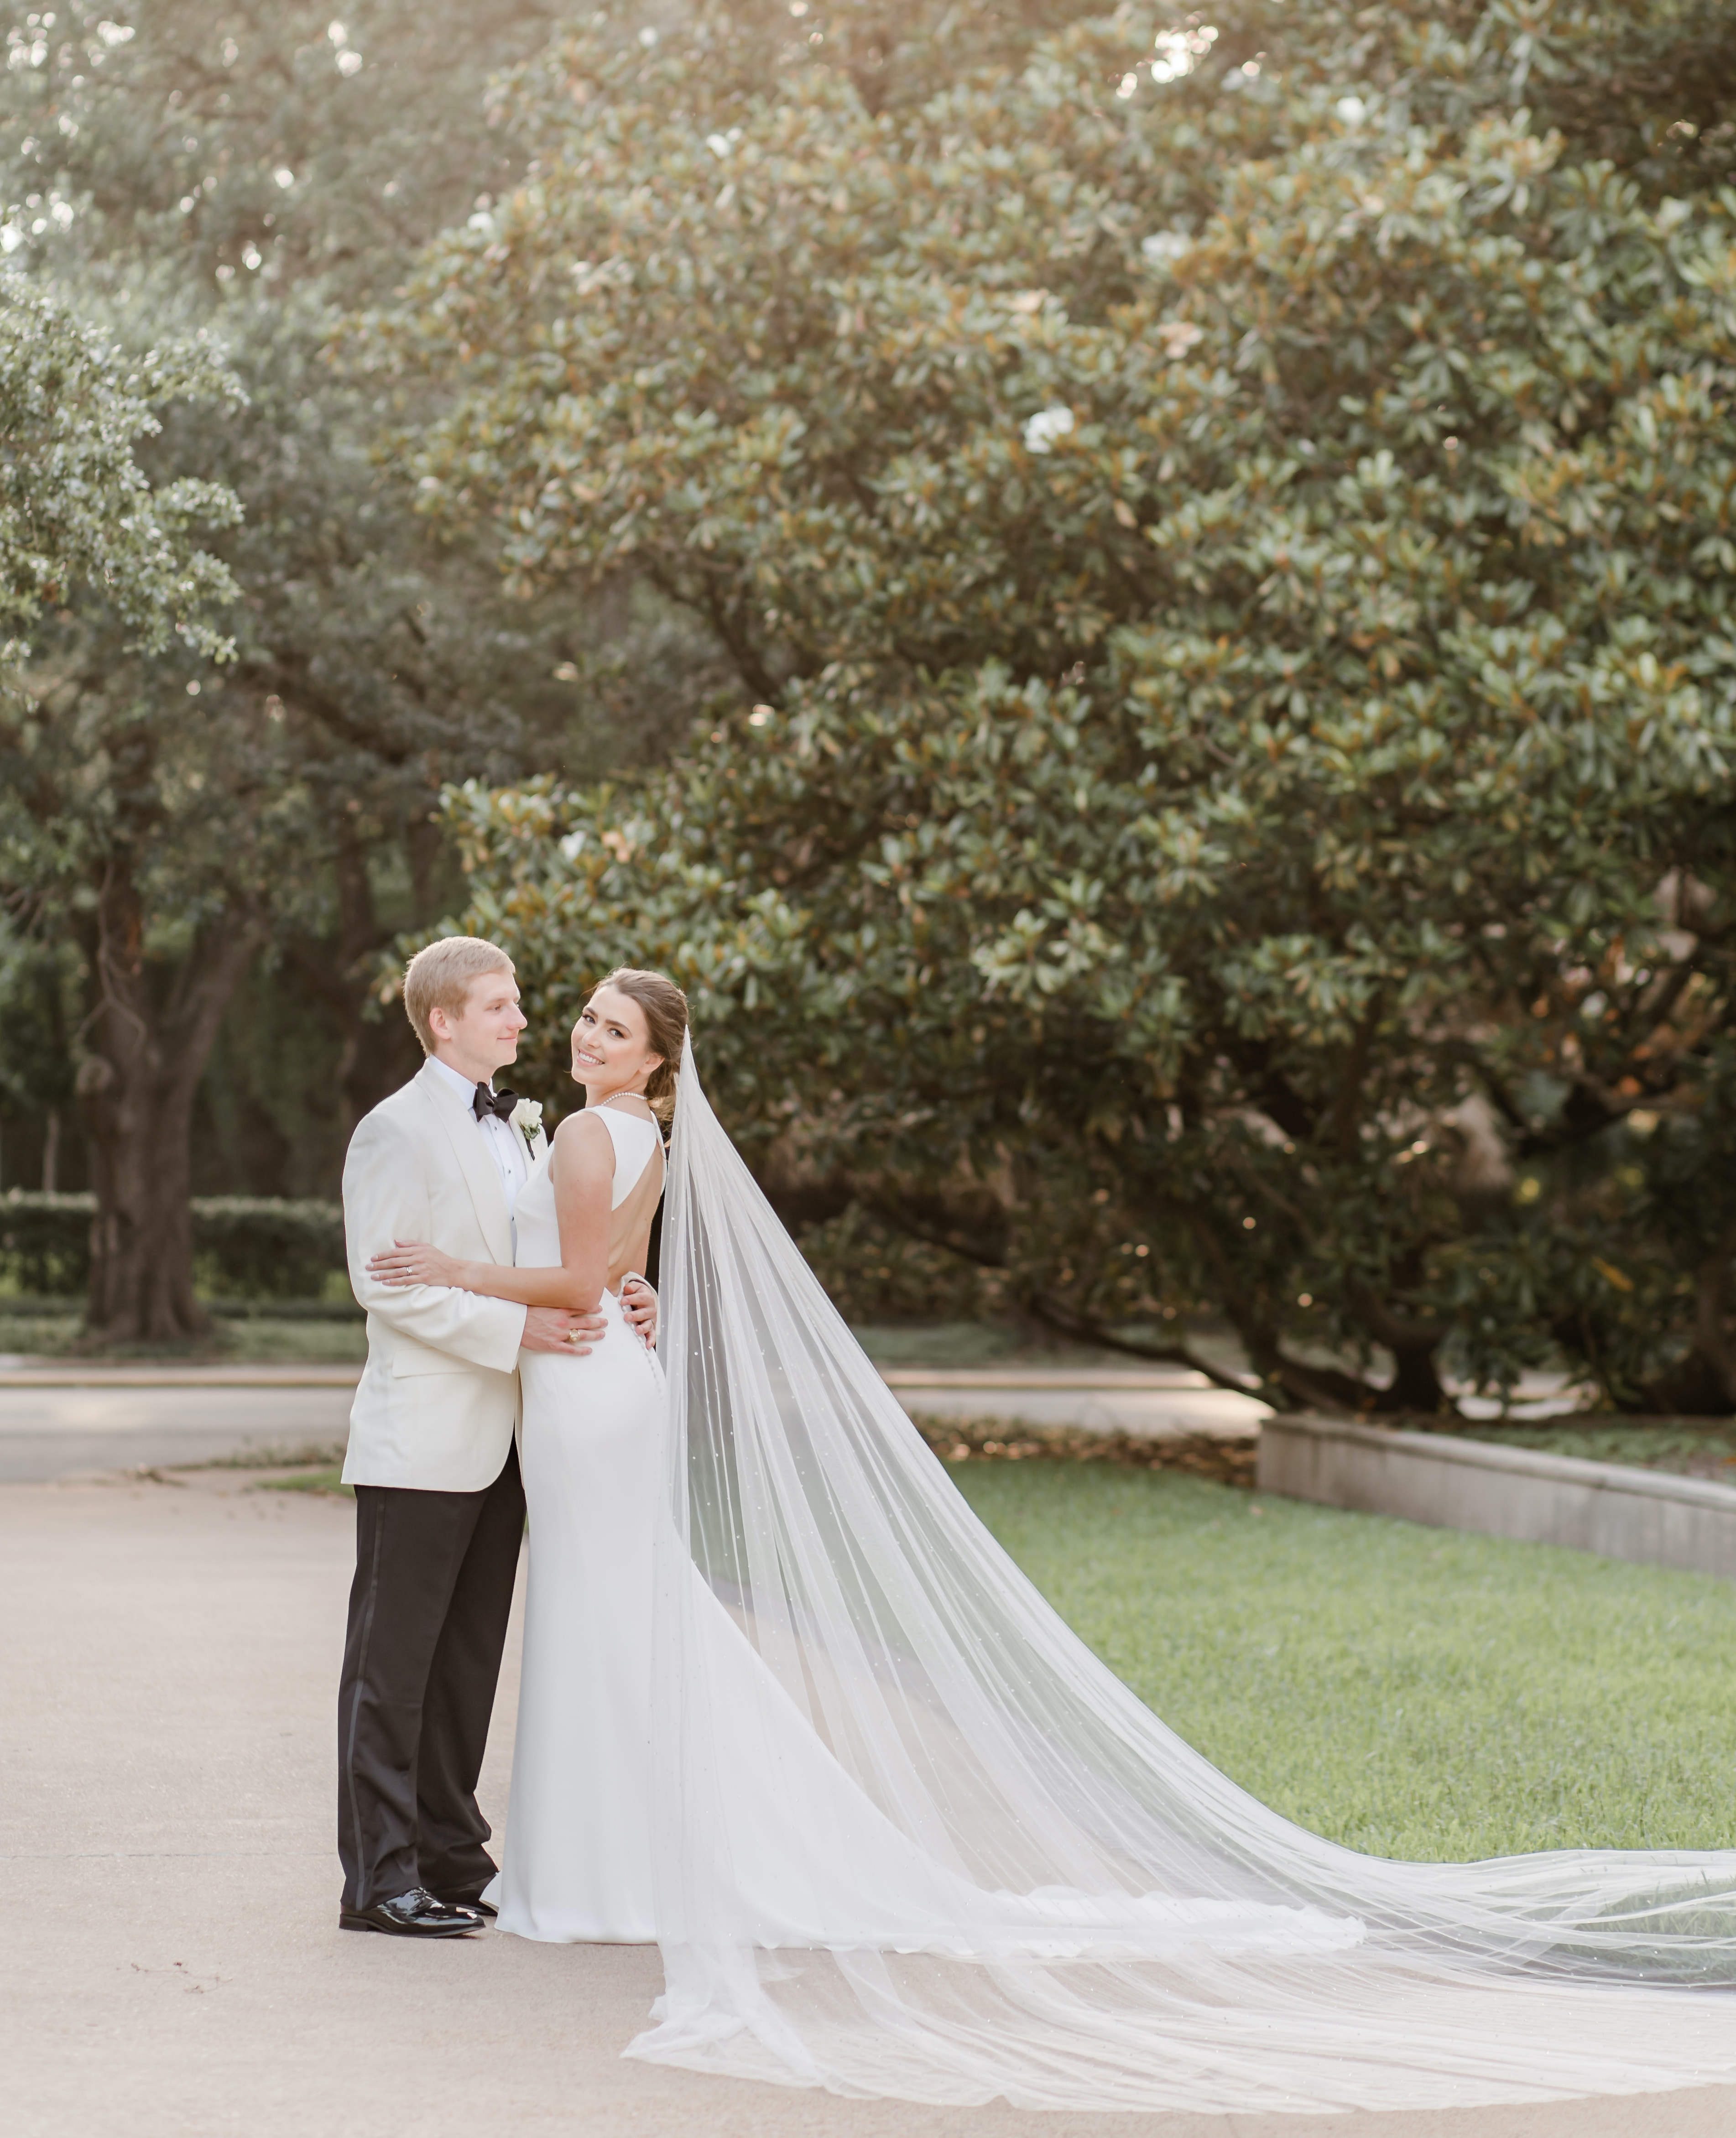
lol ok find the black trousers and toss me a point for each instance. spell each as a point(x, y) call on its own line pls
point(428, 1623)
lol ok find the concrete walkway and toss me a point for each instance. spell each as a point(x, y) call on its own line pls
point(1153, 1400)
point(172, 1966)
point(68, 1420)
point(66, 1430)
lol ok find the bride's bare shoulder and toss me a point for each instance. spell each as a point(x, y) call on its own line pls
point(581, 1157)
point(578, 1129)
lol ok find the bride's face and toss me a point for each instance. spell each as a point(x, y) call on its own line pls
point(611, 1047)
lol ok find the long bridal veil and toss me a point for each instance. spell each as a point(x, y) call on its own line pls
point(913, 1838)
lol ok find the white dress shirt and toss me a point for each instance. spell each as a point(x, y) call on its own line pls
point(506, 1146)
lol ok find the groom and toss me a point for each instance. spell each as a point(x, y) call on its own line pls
point(440, 1510)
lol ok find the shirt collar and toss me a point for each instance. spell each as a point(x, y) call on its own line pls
point(461, 1085)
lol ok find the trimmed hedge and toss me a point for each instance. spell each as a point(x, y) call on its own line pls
point(244, 1247)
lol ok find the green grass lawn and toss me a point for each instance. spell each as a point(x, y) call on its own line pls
point(300, 1342)
point(1694, 1447)
point(328, 1479)
point(295, 1342)
point(1409, 1692)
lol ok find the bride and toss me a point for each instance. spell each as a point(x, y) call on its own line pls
point(789, 1710)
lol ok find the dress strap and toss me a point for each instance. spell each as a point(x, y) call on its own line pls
point(636, 1141)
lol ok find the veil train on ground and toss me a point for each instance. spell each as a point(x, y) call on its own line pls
point(913, 1839)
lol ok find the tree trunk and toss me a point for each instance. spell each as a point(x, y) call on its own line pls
point(1416, 1383)
point(1415, 1346)
point(379, 1054)
point(1703, 1382)
point(1287, 1384)
point(137, 1085)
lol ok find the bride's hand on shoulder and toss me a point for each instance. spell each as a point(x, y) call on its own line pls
point(413, 1261)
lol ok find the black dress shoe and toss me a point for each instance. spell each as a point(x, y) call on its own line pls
point(474, 1901)
point(414, 1914)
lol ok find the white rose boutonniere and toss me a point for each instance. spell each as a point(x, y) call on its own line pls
point(527, 1118)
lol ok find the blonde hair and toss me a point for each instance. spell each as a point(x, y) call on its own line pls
point(439, 976)
point(666, 1026)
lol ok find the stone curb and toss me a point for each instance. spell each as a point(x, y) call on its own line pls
point(1621, 1512)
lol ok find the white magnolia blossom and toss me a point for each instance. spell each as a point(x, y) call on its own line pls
point(1166, 244)
point(1179, 52)
point(1178, 336)
point(1045, 427)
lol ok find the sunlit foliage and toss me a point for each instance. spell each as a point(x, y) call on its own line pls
point(77, 508)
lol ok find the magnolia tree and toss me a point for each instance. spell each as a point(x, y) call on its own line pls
point(1224, 543)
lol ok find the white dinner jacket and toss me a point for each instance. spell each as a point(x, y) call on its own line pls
point(438, 1401)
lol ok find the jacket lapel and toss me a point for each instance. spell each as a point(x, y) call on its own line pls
point(481, 1176)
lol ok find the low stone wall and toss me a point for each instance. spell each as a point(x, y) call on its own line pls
point(1643, 1515)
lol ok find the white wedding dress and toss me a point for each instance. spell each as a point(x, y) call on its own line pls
point(576, 1866)
point(787, 1707)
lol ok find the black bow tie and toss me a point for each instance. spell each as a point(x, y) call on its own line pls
point(487, 1102)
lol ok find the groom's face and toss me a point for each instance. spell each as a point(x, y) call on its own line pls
point(484, 1037)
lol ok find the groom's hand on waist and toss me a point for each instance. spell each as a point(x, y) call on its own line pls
point(553, 1329)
